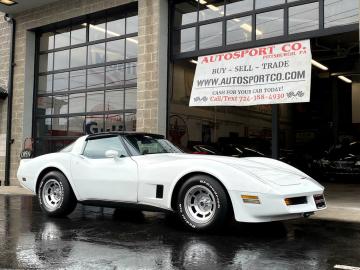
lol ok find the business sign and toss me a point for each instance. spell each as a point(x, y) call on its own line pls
point(266, 75)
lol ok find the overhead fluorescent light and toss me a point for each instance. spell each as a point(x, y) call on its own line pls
point(343, 78)
point(213, 8)
point(247, 27)
point(8, 2)
point(203, 2)
point(133, 40)
point(193, 61)
point(318, 65)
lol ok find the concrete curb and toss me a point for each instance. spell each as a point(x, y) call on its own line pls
point(14, 190)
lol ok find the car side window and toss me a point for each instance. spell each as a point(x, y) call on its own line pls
point(96, 148)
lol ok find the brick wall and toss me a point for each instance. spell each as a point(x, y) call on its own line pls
point(150, 67)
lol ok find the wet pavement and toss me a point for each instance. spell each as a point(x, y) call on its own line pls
point(101, 238)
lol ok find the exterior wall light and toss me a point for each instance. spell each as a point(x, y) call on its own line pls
point(3, 93)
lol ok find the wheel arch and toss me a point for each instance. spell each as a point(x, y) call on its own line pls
point(183, 179)
point(45, 171)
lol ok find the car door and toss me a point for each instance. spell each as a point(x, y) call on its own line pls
point(98, 177)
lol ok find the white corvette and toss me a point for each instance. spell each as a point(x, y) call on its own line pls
point(145, 170)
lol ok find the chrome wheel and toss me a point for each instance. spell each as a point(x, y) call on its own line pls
point(52, 194)
point(199, 204)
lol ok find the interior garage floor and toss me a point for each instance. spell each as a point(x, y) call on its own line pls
point(343, 201)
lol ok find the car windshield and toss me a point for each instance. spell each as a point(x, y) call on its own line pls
point(151, 144)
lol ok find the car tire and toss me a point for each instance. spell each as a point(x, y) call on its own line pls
point(202, 203)
point(55, 195)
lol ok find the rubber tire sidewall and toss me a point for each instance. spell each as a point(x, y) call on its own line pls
point(68, 203)
point(221, 203)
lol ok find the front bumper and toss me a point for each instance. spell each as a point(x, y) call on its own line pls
point(272, 207)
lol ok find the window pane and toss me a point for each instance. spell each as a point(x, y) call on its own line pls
point(130, 98)
point(97, 30)
point(341, 12)
point(43, 127)
point(267, 3)
point(95, 77)
point(211, 9)
point(185, 13)
point(61, 60)
point(238, 30)
point(60, 104)
point(46, 62)
point(78, 57)
point(45, 84)
point(77, 103)
point(115, 50)
point(238, 6)
point(94, 124)
point(114, 122)
point(77, 80)
point(270, 24)
point(78, 34)
point(114, 100)
point(61, 82)
point(211, 35)
point(59, 127)
point(132, 25)
point(115, 75)
point(40, 145)
point(62, 38)
point(115, 28)
point(95, 101)
point(96, 54)
point(131, 47)
point(76, 126)
point(130, 121)
point(187, 39)
point(97, 148)
point(46, 41)
point(44, 106)
point(130, 73)
point(304, 18)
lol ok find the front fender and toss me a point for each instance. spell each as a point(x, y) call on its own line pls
point(231, 178)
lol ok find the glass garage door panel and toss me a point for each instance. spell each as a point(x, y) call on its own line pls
point(86, 80)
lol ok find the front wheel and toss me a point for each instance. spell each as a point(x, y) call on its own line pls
point(202, 203)
point(55, 195)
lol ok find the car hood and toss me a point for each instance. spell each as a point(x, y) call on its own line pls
point(267, 169)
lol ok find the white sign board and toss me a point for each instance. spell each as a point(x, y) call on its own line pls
point(266, 75)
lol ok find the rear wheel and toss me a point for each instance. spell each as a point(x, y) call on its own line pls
point(202, 203)
point(55, 195)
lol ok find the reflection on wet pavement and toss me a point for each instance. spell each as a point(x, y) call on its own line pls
point(101, 238)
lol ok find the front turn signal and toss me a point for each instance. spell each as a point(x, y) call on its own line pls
point(250, 199)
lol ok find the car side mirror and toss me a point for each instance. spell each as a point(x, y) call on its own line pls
point(112, 154)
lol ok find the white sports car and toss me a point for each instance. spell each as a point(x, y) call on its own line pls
point(146, 170)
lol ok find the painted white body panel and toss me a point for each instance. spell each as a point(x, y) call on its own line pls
point(134, 179)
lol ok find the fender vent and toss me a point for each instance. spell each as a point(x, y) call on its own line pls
point(159, 191)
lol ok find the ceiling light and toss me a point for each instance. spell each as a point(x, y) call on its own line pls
point(8, 2)
point(343, 78)
point(212, 7)
point(203, 2)
point(193, 61)
point(247, 27)
point(133, 40)
point(318, 65)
